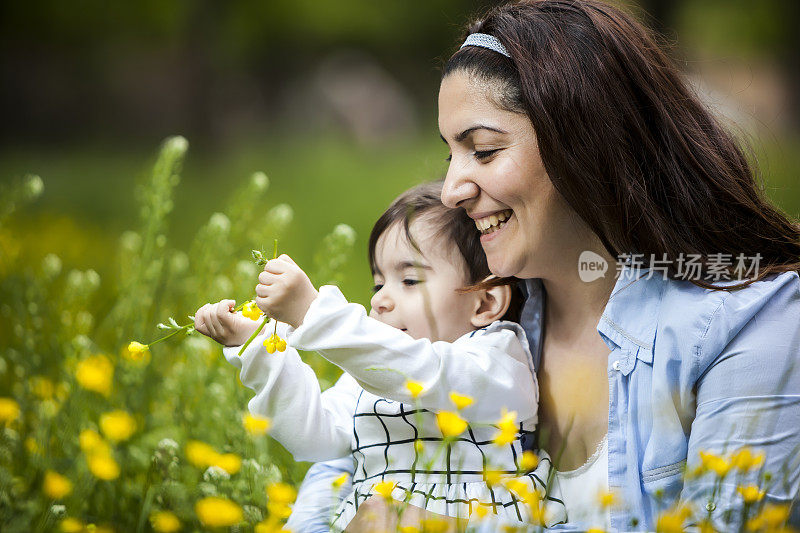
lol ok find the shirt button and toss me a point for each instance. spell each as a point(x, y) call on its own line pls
point(615, 365)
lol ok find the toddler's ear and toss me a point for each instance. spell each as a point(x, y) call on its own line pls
point(491, 305)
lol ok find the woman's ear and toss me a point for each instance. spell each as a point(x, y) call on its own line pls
point(491, 305)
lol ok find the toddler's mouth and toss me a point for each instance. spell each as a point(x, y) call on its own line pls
point(493, 222)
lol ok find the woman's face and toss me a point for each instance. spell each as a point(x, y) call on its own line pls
point(496, 173)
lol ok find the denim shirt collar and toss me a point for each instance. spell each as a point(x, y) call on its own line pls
point(630, 318)
point(628, 322)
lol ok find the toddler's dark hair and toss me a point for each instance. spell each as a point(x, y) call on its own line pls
point(452, 225)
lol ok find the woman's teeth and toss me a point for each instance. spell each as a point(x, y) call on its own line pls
point(493, 222)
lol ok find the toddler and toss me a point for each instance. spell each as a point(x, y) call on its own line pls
point(424, 338)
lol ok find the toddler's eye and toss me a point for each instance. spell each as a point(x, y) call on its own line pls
point(376, 288)
point(411, 282)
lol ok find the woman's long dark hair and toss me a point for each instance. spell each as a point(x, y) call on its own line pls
point(624, 140)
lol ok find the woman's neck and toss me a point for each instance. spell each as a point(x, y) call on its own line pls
point(572, 305)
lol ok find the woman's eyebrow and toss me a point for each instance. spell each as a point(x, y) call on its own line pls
point(467, 132)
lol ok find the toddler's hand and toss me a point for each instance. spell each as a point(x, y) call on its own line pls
point(284, 291)
point(219, 322)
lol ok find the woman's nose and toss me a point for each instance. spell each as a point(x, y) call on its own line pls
point(458, 187)
point(381, 302)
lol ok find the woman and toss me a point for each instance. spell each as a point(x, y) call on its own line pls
point(566, 118)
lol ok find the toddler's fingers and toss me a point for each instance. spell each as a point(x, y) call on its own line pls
point(287, 259)
point(262, 303)
point(200, 320)
point(276, 266)
point(262, 290)
point(267, 278)
point(215, 320)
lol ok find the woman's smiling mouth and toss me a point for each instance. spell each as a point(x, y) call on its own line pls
point(493, 222)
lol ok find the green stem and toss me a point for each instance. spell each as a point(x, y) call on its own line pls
point(253, 336)
point(183, 328)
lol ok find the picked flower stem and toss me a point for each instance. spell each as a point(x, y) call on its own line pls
point(266, 318)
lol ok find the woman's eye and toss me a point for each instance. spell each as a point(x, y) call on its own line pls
point(483, 154)
point(411, 282)
point(376, 288)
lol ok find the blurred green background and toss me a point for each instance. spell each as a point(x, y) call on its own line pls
point(336, 104)
point(334, 101)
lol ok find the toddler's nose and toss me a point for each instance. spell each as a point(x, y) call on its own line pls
point(381, 302)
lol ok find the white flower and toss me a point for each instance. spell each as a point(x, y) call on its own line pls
point(219, 222)
point(215, 474)
point(345, 233)
point(260, 181)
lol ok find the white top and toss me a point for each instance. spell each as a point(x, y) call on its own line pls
point(579, 489)
point(370, 414)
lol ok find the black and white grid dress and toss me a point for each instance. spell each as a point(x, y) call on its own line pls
point(370, 414)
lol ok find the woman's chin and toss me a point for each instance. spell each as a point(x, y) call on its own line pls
point(501, 267)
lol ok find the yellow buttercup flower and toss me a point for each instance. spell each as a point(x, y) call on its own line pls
point(434, 525)
point(384, 488)
point(492, 477)
point(137, 350)
point(415, 388)
point(705, 526)
point(341, 480)
point(270, 525)
point(450, 424)
point(279, 498)
point(200, 454)
point(607, 498)
point(273, 343)
point(42, 387)
point(91, 442)
point(281, 493)
point(744, 459)
point(671, 521)
point(461, 401)
point(33, 447)
point(117, 425)
point(71, 525)
point(507, 428)
point(529, 460)
point(480, 511)
point(229, 462)
point(103, 466)
point(595, 530)
point(165, 522)
point(409, 529)
point(55, 486)
point(256, 425)
point(95, 373)
point(218, 512)
point(771, 517)
point(9, 410)
point(750, 493)
point(518, 487)
point(251, 310)
point(715, 463)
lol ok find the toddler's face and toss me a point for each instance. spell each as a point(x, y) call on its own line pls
point(417, 292)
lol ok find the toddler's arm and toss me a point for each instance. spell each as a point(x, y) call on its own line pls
point(491, 365)
point(313, 426)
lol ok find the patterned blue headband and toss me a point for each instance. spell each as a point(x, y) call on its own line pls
point(484, 40)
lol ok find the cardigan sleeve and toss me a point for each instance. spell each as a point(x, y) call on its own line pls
point(312, 425)
point(490, 364)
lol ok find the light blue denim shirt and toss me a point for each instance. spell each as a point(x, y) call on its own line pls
point(690, 369)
